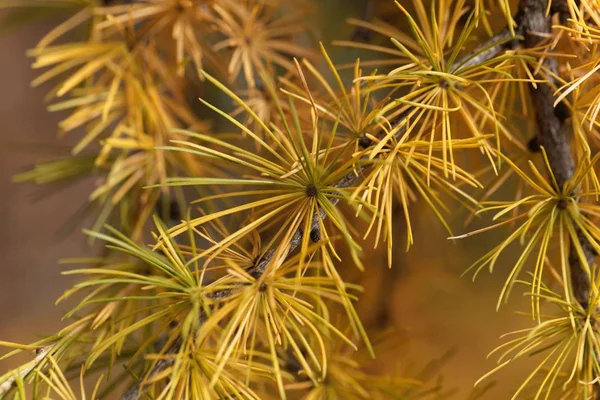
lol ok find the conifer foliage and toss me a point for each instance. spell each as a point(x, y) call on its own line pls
point(244, 174)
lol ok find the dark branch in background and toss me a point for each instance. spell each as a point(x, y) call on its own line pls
point(363, 34)
point(552, 129)
point(552, 133)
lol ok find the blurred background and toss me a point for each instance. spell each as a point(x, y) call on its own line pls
point(30, 245)
point(423, 295)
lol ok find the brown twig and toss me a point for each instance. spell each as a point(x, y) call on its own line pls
point(552, 135)
point(535, 26)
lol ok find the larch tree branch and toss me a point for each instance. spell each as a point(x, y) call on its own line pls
point(535, 26)
point(256, 270)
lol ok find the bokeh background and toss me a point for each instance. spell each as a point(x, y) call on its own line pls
point(424, 295)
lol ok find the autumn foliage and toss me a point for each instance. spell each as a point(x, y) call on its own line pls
point(244, 175)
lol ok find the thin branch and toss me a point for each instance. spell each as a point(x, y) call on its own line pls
point(494, 46)
point(8, 384)
point(552, 134)
point(535, 26)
